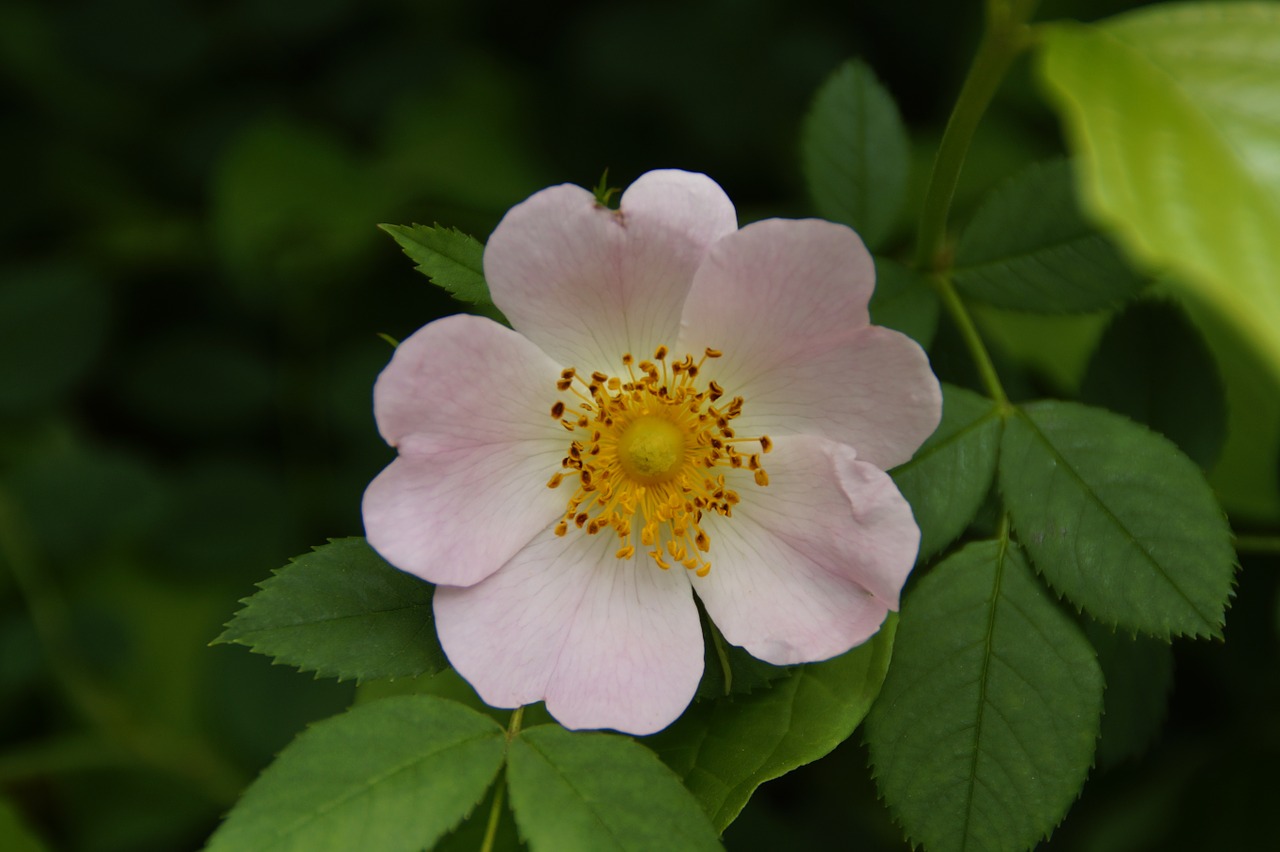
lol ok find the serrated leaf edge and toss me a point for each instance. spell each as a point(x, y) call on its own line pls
point(1214, 629)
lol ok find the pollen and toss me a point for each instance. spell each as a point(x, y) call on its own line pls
point(652, 450)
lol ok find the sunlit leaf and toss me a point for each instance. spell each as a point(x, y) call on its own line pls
point(949, 476)
point(854, 152)
point(724, 750)
point(984, 731)
point(1173, 113)
point(393, 775)
point(594, 792)
point(1117, 519)
point(342, 611)
point(1028, 248)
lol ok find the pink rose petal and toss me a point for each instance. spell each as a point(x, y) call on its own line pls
point(467, 402)
point(607, 643)
point(785, 301)
point(809, 565)
point(587, 283)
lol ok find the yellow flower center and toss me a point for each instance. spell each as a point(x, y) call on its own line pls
point(651, 449)
point(646, 450)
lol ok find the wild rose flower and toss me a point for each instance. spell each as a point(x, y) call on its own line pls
point(683, 407)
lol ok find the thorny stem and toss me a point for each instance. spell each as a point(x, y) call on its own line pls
point(1006, 35)
point(499, 793)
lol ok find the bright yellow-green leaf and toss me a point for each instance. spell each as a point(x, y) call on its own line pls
point(1174, 115)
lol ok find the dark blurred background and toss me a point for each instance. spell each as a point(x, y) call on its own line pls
point(191, 288)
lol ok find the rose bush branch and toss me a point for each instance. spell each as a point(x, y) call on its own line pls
point(1006, 35)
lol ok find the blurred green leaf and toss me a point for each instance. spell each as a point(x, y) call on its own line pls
point(135, 811)
point(214, 494)
point(1117, 519)
point(293, 208)
point(79, 501)
point(723, 750)
point(593, 792)
point(984, 731)
point(1154, 367)
point(188, 380)
point(904, 300)
point(342, 611)
point(53, 323)
point(950, 475)
point(1172, 114)
point(452, 260)
point(1139, 674)
point(14, 834)
point(392, 775)
point(1028, 248)
point(854, 152)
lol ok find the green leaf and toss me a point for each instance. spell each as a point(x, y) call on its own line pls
point(1028, 248)
point(597, 792)
point(452, 260)
point(1117, 519)
point(14, 834)
point(1154, 367)
point(724, 750)
point(950, 475)
point(904, 300)
point(736, 673)
point(985, 729)
point(343, 612)
point(392, 775)
point(1173, 115)
point(855, 154)
point(1139, 675)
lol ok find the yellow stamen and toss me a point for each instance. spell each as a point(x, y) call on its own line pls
point(650, 443)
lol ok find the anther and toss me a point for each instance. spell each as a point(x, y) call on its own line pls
point(766, 443)
point(555, 480)
point(762, 478)
point(660, 353)
point(557, 410)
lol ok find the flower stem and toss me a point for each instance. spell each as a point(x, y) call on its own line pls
point(499, 793)
point(495, 814)
point(1005, 36)
point(973, 340)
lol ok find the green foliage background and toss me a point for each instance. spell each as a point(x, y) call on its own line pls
point(191, 291)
